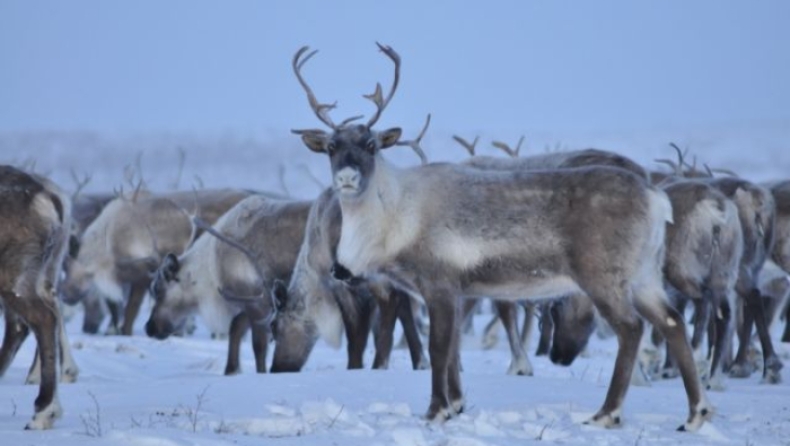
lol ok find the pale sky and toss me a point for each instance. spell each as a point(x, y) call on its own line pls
point(510, 66)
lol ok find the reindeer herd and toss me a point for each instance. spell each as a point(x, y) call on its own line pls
point(584, 238)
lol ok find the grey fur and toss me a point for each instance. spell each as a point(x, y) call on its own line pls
point(126, 242)
point(271, 232)
point(448, 230)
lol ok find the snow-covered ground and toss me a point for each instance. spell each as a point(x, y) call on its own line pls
point(138, 391)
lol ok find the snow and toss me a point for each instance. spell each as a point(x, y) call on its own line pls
point(107, 89)
point(140, 391)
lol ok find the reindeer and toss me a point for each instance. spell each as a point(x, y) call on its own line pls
point(34, 231)
point(223, 280)
point(556, 160)
point(317, 306)
point(127, 241)
point(757, 214)
point(85, 209)
point(446, 230)
point(781, 249)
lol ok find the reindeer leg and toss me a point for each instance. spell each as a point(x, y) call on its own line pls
point(16, 332)
point(455, 389)
point(519, 363)
point(742, 367)
point(388, 309)
point(469, 308)
point(771, 362)
point(260, 343)
point(628, 327)
point(786, 334)
point(529, 321)
point(238, 327)
point(44, 323)
point(94, 313)
point(546, 325)
point(115, 317)
point(652, 307)
point(406, 317)
point(133, 305)
point(720, 337)
point(443, 320)
point(491, 332)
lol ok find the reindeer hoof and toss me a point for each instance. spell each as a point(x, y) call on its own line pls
point(46, 418)
point(69, 375)
point(458, 406)
point(772, 372)
point(703, 412)
point(520, 369)
point(438, 413)
point(607, 420)
point(424, 364)
point(741, 370)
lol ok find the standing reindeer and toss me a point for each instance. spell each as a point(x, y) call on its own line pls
point(781, 249)
point(35, 218)
point(445, 230)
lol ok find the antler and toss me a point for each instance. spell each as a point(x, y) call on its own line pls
point(415, 143)
point(470, 147)
point(377, 97)
point(677, 168)
point(507, 149)
point(320, 110)
point(81, 183)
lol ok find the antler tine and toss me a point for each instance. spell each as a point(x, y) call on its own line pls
point(376, 97)
point(81, 183)
point(507, 149)
point(320, 110)
point(681, 159)
point(470, 147)
point(415, 143)
point(707, 170)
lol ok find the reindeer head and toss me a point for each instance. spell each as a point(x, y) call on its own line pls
point(170, 310)
point(352, 149)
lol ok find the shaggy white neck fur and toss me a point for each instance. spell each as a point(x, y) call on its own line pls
point(379, 223)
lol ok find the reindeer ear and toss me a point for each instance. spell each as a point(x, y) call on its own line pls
point(315, 140)
point(279, 294)
point(389, 137)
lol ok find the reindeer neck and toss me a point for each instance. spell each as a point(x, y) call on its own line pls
point(378, 224)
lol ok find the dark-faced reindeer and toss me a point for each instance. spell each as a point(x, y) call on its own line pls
point(126, 243)
point(34, 232)
point(448, 230)
point(317, 306)
point(226, 282)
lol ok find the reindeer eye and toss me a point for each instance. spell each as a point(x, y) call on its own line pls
point(371, 146)
point(331, 147)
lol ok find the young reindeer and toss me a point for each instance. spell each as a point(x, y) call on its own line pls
point(447, 230)
point(265, 238)
point(34, 230)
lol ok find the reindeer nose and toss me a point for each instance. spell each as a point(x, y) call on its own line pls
point(347, 178)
